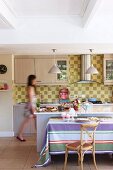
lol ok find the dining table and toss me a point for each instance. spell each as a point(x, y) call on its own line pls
point(60, 132)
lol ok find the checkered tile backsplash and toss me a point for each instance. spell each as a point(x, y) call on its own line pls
point(50, 93)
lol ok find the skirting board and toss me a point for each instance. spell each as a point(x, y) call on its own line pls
point(7, 134)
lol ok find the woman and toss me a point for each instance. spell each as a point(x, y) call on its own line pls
point(30, 108)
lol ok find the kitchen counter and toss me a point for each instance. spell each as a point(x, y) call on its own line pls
point(57, 104)
point(98, 110)
point(92, 109)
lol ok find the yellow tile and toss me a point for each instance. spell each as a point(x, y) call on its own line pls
point(95, 89)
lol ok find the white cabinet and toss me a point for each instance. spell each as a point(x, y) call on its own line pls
point(22, 68)
point(43, 65)
point(40, 66)
point(108, 69)
point(18, 117)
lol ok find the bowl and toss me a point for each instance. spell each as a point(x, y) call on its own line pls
point(92, 99)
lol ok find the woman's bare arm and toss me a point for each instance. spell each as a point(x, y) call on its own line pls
point(30, 97)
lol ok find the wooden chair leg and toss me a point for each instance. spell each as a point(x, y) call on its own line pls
point(66, 156)
point(94, 160)
point(81, 160)
point(78, 159)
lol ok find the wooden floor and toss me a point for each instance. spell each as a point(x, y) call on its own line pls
point(15, 155)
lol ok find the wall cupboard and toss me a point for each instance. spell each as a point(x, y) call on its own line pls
point(40, 67)
point(108, 69)
point(22, 68)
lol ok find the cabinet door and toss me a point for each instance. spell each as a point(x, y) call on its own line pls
point(108, 70)
point(42, 67)
point(23, 68)
point(62, 63)
point(18, 117)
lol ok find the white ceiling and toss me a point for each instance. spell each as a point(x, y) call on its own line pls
point(37, 8)
point(70, 26)
point(106, 7)
point(3, 23)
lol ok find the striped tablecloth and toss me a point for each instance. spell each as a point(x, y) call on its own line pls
point(60, 132)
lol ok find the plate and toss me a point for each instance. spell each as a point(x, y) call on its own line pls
point(82, 120)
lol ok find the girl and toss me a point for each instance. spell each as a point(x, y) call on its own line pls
point(30, 107)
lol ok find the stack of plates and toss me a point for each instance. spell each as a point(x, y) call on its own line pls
point(82, 120)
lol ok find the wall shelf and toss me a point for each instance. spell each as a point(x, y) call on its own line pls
point(4, 90)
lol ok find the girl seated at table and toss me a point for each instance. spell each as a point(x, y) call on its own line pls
point(64, 95)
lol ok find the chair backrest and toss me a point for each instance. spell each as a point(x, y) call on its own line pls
point(89, 131)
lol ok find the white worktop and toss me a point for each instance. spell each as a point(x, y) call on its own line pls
point(106, 108)
point(56, 104)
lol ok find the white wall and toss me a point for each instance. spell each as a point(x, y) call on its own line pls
point(6, 99)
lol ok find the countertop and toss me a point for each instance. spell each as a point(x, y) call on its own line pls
point(57, 104)
point(106, 108)
point(92, 109)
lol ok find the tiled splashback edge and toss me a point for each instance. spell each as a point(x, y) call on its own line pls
point(50, 93)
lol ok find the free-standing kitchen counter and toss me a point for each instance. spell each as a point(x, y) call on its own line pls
point(98, 110)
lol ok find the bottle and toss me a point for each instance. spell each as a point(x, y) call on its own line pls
point(76, 104)
point(72, 113)
point(38, 104)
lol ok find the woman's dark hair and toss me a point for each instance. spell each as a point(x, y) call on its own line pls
point(29, 81)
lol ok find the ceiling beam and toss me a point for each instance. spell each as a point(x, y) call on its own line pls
point(91, 9)
point(7, 15)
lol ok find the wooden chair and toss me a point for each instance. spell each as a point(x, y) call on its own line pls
point(82, 146)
